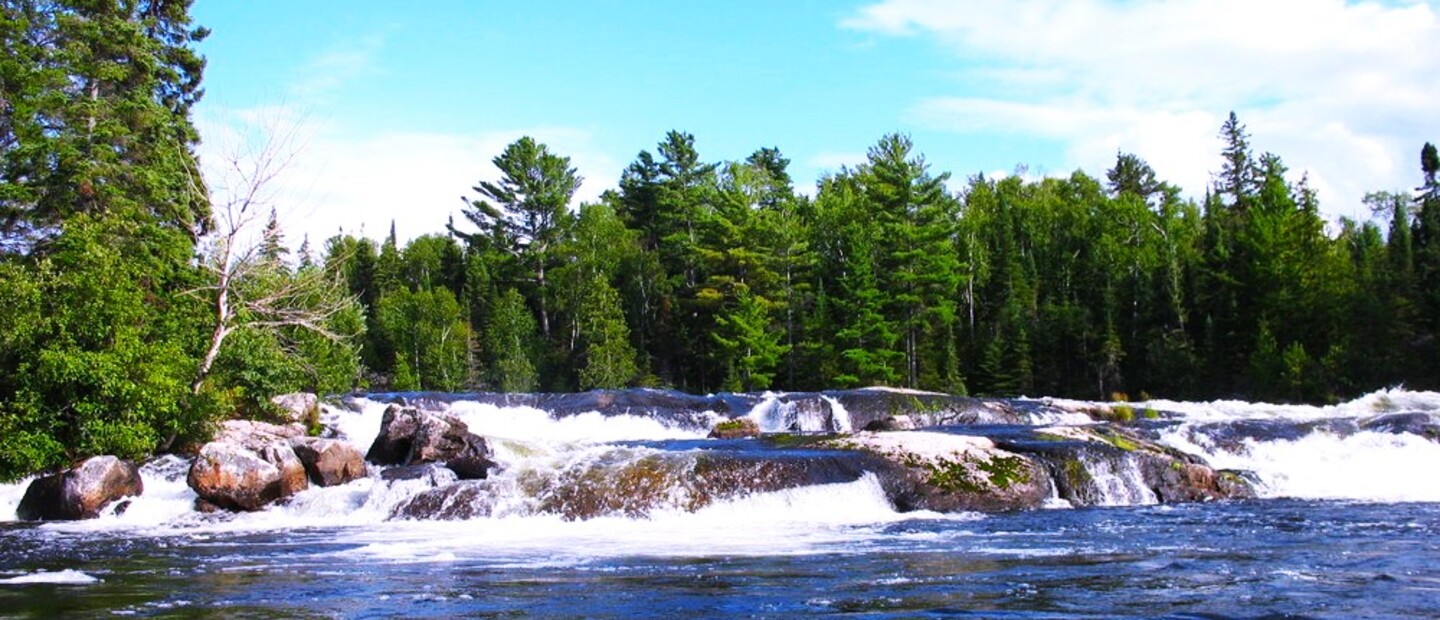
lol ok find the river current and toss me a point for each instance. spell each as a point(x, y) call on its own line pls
point(1347, 525)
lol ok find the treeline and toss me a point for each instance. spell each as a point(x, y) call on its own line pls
point(711, 276)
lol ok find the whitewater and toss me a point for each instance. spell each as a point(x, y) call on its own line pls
point(1344, 526)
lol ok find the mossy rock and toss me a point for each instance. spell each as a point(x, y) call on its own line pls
point(951, 473)
point(737, 428)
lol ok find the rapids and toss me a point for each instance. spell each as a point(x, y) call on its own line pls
point(1345, 525)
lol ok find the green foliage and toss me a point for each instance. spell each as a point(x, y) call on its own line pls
point(100, 346)
point(608, 359)
point(430, 337)
point(510, 342)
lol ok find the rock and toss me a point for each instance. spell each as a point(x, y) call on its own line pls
point(1170, 475)
point(431, 474)
point(892, 423)
point(639, 483)
point(468, 499)
point(737, 428)
point(255, 435)
point(329, 462)
point(409, 436)
point(235, 477)
point(1414, 423)
point(397, 433)
point(951, 473)
point(301, 408)
point(82, 492)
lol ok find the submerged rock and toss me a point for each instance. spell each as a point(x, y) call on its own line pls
point(81, 492)
point(951, 473)
point(1414, 423)
point(329, 462)
point(235, 477)
point(409, 436)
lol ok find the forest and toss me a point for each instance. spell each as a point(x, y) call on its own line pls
point(710, 276)
point(135, 311)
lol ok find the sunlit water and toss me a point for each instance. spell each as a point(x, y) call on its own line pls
point(1348, 526)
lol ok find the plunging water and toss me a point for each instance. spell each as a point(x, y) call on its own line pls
point(1346, 526)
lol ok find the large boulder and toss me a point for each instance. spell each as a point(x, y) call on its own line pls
point(235, 477)
point(82, 492)
point(329, 462)
point(409, 436)
point(951, 473)
point(255, 435)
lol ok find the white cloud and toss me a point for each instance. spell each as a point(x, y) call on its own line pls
point(343, 179)
point(341, 64)
point(1342, 90)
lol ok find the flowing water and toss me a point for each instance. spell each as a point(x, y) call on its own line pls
point(1347, 526)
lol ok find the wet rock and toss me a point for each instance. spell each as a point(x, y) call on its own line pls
point(431, 474)
point(637, 483)
point(1413, 423)
point(738, 428)
point(301, 408)
point(235, 477)
point(329, 462)
point(892, 423)
point(409, 436)
point(397, 433)
point(1106, 464)
point(81, 492)
point(952, 473)
point(467, 499)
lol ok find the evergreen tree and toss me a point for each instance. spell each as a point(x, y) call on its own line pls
point(525, 212)
point(272, 242)
point(510, 342)
point(750, 347)
point(97, 100)
point(607, 359)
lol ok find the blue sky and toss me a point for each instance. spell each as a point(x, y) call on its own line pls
point(393, 110)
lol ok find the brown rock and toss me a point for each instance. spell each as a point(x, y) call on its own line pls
point(256, 435)
point(329, 462)
point(234, 477)
point(952, 473)
point(409, 436)
point(82, 492)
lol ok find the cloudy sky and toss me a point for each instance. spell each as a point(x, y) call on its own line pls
point(392, 111)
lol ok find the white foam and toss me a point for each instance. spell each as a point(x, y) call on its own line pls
point(1366, 466)
point(818, 519)
point(1375, 403)
point(530, 424)
point(63, 577)
point(10, 496)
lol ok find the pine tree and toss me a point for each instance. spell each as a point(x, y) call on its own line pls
point(750, 347)
point(608, 359)
point(272, 242)
point(510, 342)
point(525, 212)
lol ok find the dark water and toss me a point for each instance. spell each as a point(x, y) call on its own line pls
point(1263, 558)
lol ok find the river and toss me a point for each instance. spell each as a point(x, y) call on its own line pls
point(1347, 525)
